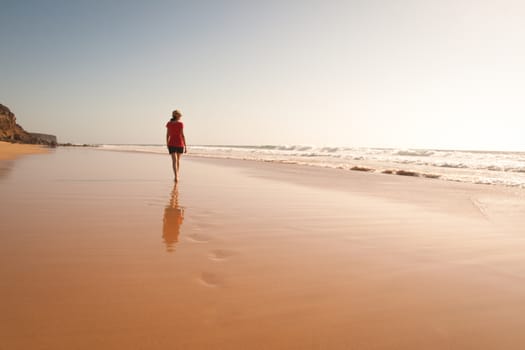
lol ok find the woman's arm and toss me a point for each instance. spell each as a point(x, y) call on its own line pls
point(184, 140)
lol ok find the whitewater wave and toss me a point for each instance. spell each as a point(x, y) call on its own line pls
point(505, 168)
point(413, 153)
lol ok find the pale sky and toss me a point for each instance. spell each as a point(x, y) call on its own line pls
point(367, 73)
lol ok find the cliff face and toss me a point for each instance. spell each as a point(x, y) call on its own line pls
point(44, 139)
point(9, 129)
point(12, 132)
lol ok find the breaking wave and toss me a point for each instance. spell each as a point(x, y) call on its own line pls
point(504, 168)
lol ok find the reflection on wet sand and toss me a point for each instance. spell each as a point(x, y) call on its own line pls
point(173, 218)
point(5, 167)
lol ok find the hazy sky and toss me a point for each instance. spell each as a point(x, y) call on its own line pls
point(373, 73)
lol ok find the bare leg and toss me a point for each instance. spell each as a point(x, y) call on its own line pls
point(175, 164)
point(178, 163)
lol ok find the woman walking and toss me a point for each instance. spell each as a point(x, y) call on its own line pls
point(175, 141)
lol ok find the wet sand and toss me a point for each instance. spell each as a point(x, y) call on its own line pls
point(101, 250)
point(11, 151)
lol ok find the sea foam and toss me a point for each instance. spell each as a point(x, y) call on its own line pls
point(483, 167)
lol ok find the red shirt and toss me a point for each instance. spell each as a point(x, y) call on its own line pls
point(175, 134)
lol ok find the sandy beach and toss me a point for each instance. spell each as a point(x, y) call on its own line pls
point(13, 150)
point(101, 251)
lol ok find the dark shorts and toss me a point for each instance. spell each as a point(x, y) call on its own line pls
point(173, 149)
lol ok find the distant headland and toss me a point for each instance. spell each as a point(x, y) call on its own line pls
point(10, 131)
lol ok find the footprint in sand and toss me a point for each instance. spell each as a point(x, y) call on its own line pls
point(198, 238)
point(210, 279)
point(221, 254)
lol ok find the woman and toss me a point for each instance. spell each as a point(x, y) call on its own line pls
point(175, 141)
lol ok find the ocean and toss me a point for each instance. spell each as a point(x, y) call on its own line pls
point(480, 167)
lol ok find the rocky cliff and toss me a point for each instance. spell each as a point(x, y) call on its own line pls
point(9, 129)
point(44, 139)
point(12, 132)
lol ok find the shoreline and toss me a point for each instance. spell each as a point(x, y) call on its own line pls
point(376, 168)
point(488, 200)
point(478, 168)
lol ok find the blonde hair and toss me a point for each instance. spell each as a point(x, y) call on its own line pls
point(176, 114)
